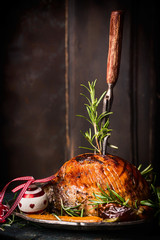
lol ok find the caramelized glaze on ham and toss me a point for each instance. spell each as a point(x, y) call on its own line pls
point(80, 177)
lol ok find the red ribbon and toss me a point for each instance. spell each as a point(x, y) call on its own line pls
point(30, 180)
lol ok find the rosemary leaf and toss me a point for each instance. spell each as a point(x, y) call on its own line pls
point(147, 170)
point(148, 203)
point(100, 99)
point(84, 118)
point(112, 146)
point(103, 115)
point(139, 167)
point(86, 97)
point(55, 215)
point(82, 211)
point(91, 149)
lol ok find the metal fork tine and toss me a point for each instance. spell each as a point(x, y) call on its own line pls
point(107, 104)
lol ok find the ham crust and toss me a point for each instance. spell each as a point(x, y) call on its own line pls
point(80, 177)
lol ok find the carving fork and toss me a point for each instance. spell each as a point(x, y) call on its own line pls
point(113, 63)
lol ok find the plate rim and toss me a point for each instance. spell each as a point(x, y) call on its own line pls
point(82, 224)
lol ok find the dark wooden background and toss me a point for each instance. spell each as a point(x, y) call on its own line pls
point(135, 121)
point(48, 48)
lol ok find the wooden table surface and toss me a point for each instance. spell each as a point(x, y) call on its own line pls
point(29, 231)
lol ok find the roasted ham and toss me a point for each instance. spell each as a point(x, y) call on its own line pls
point(79, 178)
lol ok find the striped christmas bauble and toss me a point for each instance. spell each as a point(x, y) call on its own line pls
point(34, 200)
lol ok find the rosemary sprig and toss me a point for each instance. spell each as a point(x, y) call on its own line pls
point(110, 197)
point(145, 173)
point(149, 174)
point(8, 223)
point(155, 202)
point(72, 211)
point(100, 128)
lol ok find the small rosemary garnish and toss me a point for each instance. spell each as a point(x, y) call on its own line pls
point(72, 211)
point(146, 172)
point(8, 223)
point(56, 216)
point(110, 197)
point(154, 202)
point(100, 127)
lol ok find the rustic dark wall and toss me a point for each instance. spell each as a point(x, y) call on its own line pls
point(32, 88)
point(135, 120)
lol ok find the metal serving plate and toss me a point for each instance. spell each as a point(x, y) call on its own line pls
point(84, 226)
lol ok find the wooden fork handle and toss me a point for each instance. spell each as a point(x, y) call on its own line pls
point(115, 44)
